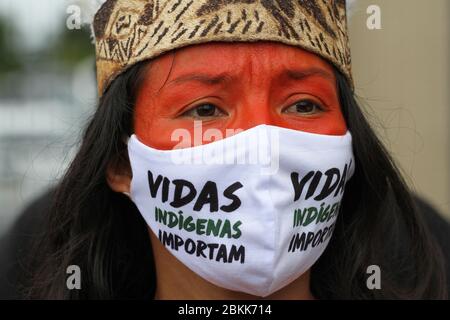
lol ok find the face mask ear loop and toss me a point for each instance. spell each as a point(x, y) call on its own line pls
point(126, 140)
point(127, 194)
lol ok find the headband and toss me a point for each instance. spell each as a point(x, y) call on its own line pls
point(130, 31)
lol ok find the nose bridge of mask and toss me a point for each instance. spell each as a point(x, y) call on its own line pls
point(256, 147)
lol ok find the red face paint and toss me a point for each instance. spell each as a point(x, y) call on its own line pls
point(236, 86)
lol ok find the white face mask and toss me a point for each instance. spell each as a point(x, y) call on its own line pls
point(249, 213)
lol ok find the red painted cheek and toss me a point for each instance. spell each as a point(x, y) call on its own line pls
point(328, 123)
point(150, 126)
point(260, 111)
point(156, 130)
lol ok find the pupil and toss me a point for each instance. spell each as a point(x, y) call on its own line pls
point(206, 110)
point(305, 106)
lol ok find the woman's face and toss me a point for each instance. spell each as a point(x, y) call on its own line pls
point(236, 86)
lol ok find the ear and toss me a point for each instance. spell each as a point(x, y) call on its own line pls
point(118, 176)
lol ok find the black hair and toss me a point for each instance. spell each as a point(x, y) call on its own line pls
point(103, 233)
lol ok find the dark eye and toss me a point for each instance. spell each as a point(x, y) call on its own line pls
point(206, 110)
point(304, 107)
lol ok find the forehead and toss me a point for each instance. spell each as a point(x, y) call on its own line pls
point(235, 57)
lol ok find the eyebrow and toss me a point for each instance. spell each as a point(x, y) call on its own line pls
point(224, 78)
point(306, 73)
point(203, 78)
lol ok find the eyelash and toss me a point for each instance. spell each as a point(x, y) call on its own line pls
point(194, 108)
point(318, 105)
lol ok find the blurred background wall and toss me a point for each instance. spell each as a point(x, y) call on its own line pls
point(47, 91)
point(402, 73)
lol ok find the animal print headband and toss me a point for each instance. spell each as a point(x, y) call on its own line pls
point(129, 31)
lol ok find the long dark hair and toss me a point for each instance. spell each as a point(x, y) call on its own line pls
point(103, 233)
